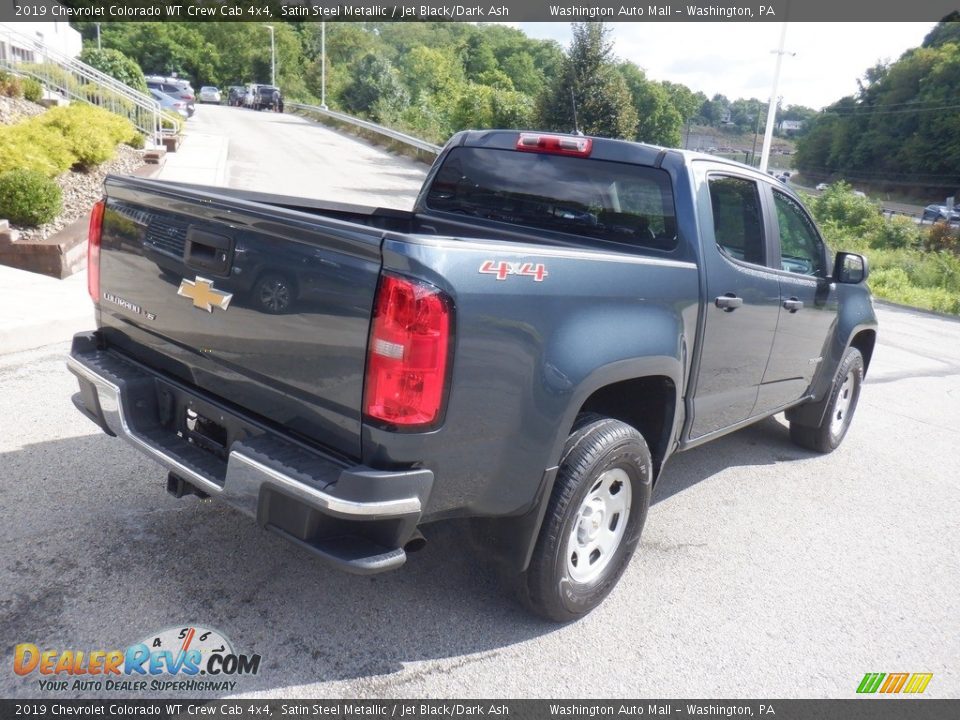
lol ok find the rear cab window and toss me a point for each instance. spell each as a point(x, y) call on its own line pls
point(596, 199)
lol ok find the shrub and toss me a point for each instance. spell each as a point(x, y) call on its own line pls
point(30, 145)
point(838, 203)
point(10, 85)
point(117, 65)
point(32, 90)
point(27, 197)
point(941, 236)
point(92, 133)
point(898, 232)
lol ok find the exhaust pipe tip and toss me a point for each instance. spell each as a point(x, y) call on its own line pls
point(416, 543)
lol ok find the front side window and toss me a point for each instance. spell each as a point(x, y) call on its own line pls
point(737, 218)
point(801, 250)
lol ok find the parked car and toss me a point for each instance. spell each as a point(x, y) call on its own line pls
point(940, 213)
point(170, 104)
point(268, 97)
point(235, 95)
point(209, 94)
point(524, 350)
point(178, 89)
point(821, 187)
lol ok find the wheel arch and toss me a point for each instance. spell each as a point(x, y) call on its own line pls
point(654, 384)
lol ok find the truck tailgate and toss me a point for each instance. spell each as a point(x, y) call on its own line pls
point(260, 305)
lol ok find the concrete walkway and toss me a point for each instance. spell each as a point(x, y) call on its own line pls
point(37, 310)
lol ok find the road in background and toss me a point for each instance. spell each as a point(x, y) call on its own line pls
point(764, 570)
point(289, 155)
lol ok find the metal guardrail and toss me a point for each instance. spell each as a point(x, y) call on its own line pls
point(78, 81)
point(367, 125)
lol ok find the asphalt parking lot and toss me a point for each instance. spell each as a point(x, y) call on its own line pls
point(763, 571)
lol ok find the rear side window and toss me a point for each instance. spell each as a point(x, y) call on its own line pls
point(737, 218)
point(592, 198)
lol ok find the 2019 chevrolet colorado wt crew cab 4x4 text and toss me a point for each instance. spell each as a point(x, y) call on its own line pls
point(526, 348)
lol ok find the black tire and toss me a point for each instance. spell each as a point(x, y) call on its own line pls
point(841, 406)
point(274, 293)
point(596, 451)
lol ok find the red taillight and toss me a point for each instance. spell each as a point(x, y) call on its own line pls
point(93, 251)
point(407, 354)
point(555, 144)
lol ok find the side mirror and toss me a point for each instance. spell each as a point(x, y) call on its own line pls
point(850, 268)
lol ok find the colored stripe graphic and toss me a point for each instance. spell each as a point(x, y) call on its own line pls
point(870, 682)
point(918, 682)
point(894, 683)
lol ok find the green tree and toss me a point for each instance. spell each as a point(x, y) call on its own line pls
point(376, 90)
point(658, 120)
point(590, 80)
point(115, 64)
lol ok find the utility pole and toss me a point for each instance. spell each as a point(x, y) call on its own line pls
point(273, 57)
point(756, 135)
point(323, 65)
point(772, 107)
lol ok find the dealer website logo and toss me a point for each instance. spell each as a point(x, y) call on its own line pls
point(178, 659)
point(889, 684)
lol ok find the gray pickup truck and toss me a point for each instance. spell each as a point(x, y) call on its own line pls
point(555, 318)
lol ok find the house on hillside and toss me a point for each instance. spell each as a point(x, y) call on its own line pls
point(788, 126)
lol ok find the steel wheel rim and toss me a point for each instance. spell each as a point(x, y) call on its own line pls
point(275, 295)
point(841, 410)
point(599, 526)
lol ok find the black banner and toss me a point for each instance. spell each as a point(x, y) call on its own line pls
point(482, 11)
point(859, 709)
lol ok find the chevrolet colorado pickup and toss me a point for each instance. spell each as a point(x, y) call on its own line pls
point(526, 348)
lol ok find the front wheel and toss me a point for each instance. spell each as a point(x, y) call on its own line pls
point(827, 436)
point(593, 521)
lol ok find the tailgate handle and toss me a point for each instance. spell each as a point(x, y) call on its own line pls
point(208, 251)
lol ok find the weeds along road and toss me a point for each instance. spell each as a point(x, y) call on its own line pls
point(764, 570)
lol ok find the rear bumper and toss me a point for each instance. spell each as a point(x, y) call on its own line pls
point(354, 517)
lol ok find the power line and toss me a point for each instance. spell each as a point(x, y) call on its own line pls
point(852, 112)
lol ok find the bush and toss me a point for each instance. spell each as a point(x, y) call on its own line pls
point(117, 65)
point(10, 85)
point(898, 232)
point(92, 133)
point(32, 90)
point(27, 197)
point(941, 236)
point(29, 145)
point(839, 205)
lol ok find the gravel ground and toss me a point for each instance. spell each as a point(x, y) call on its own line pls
point(14, 110)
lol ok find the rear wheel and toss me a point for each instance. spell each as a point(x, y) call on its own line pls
point(841, 406)
point(593, 520)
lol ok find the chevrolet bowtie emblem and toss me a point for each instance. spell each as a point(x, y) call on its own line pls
point(203, 295)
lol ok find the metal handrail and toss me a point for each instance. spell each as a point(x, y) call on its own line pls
point(367, 125)
point(109, 93)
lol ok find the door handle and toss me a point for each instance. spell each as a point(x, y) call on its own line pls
point(793, 304)
point(728, 302)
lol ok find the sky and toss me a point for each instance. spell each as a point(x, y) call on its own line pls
point(737, 59)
